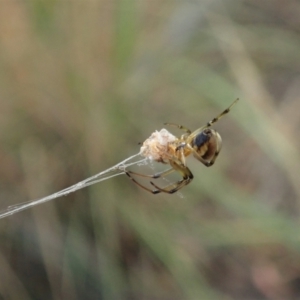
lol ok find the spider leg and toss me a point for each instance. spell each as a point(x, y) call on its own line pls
point(157, 175)
point(142, 186)
point(226, 111)
point(180, 127)
point(177, 186)
point(187, 177)
point(210, 123)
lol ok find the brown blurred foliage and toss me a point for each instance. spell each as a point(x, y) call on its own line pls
point(82, 82)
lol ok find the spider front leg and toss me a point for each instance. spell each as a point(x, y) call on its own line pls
point(226, 111)
point(211, 122)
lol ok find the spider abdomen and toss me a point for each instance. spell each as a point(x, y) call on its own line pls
point(201, 139)
point(207, 143)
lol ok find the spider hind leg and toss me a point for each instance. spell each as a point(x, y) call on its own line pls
point(154, 176)
point(176, 186)
point(142, 186)
point(187, 177)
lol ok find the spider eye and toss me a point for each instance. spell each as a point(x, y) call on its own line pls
point(202, 138)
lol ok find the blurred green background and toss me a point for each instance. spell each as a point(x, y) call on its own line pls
point(82, 82)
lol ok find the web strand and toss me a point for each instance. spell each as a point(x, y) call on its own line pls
point(104, 175)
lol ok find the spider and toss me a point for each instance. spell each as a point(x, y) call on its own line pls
point(204, 143)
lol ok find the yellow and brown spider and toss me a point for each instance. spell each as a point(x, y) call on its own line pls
point(204, 143)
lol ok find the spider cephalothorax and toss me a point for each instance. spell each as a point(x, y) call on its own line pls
point(204, 143)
